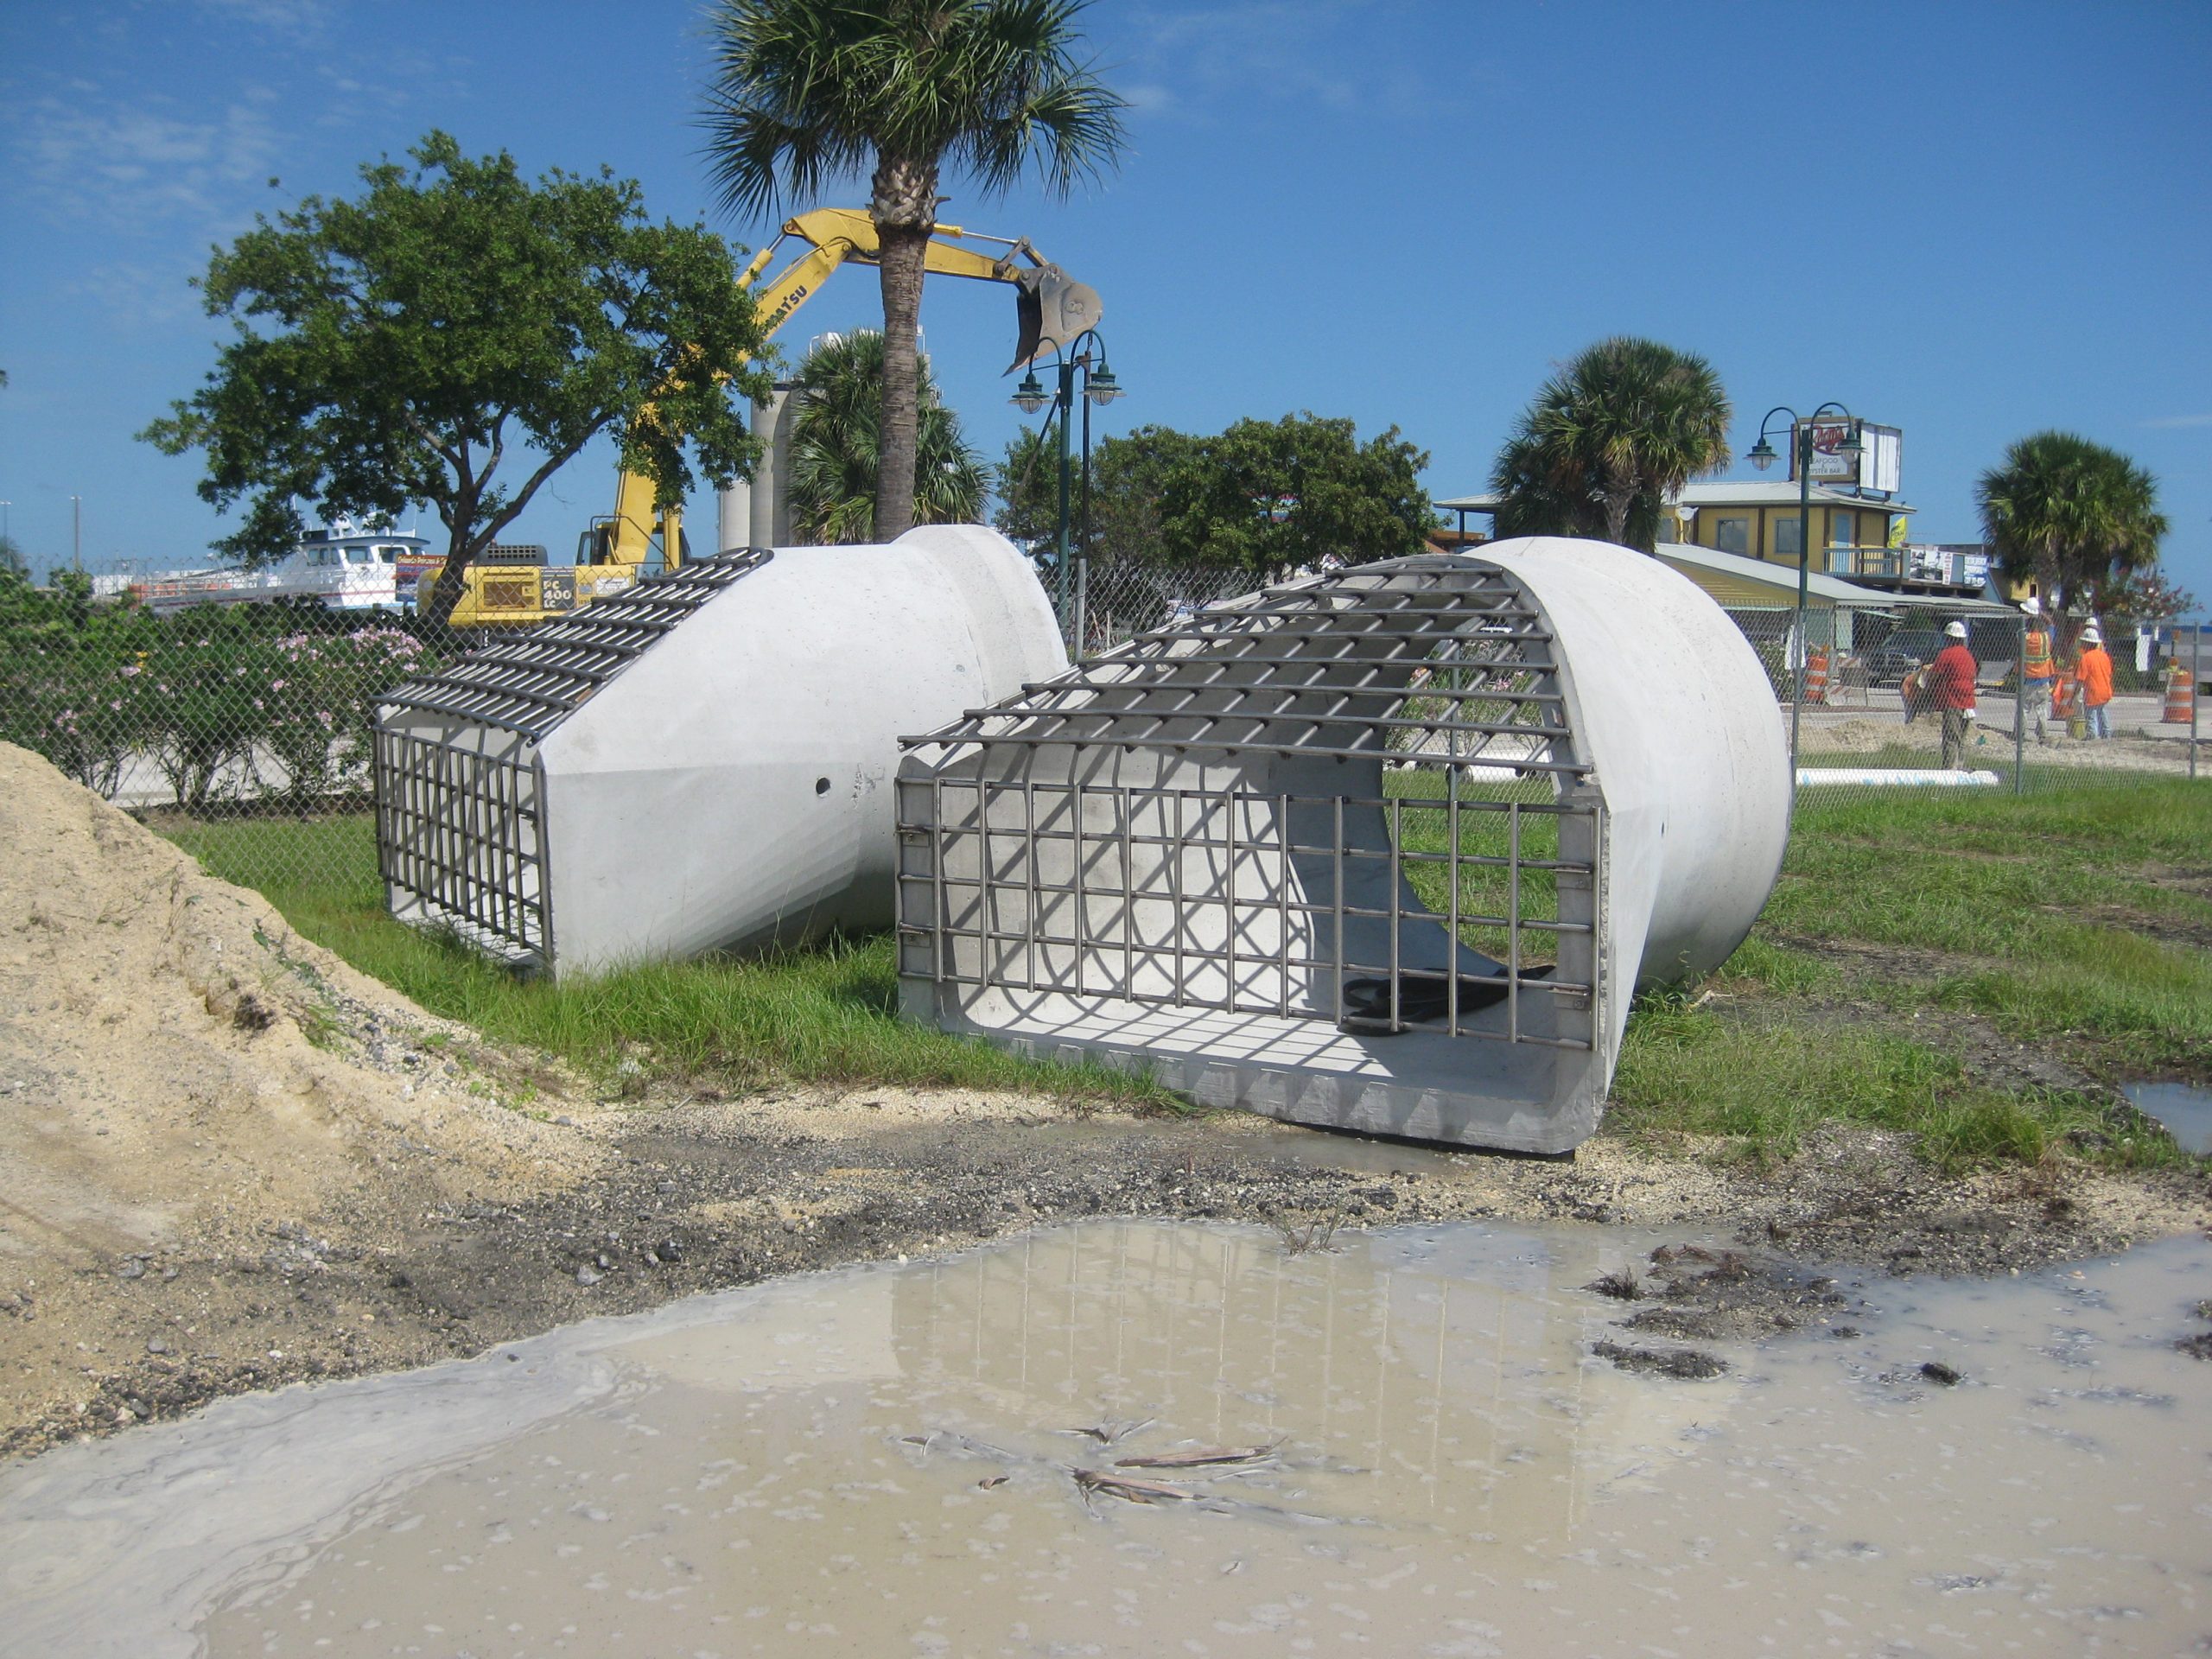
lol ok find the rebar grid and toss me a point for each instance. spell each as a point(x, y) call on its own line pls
point(1371, 635)
point(531, 683)
point(1026, 869)
point(461, 832)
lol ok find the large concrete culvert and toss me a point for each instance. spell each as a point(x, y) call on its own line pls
point(702, 763)
point(1389, 850)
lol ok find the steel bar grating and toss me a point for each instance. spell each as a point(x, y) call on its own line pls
point(460, 833)
point(1448, 901)
point(461, 826)
point(531, 683)
point(1317, 668)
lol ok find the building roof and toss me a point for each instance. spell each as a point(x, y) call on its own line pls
point(1781, 579)
point(1776, 493)
point(1723, 492)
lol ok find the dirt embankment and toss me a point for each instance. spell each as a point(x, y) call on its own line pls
point(233, 1162)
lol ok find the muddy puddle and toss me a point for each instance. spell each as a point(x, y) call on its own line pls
point(2185, 1109)
point(1139, 1437)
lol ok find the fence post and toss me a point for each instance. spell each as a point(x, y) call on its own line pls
point(1795, 639)
point(2195, 686)
point(2020, 709)
point(1082, 605)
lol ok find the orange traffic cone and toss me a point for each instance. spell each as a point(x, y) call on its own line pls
point(2181, 693)
point(1816, 676)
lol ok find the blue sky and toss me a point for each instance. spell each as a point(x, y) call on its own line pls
point(1972, 222)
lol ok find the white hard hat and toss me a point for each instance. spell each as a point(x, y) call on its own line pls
point(2094, 634)
point(2032, 606)
point(1956, 630)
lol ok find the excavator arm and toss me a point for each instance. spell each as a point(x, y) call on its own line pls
point(1051, 309)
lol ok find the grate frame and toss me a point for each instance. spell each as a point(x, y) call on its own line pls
point(461, 837)
point(529, 683)
point(1014, 877)
point(463, 820)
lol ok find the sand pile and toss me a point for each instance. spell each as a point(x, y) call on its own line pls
point(176, 1064)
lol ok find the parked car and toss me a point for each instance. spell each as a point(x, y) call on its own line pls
point(1898, 655)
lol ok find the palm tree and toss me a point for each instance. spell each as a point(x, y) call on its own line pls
point(836, 455)
point(809, 92)
point(1608, 439)
point(2080, 520)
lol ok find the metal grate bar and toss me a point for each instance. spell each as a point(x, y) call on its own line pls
point(529, 684)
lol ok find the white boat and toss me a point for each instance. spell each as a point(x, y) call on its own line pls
point(344, 565)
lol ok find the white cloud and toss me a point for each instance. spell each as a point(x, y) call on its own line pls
point(2172, 421)
point(1297, 51)
point(289, 16)
point(140, 165)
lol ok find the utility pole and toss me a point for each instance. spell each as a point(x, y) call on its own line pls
point(76, 534)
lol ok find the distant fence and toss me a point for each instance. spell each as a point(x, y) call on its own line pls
point(246, 730)
point(1846, 691)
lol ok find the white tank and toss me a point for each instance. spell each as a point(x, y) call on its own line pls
point(704, 764)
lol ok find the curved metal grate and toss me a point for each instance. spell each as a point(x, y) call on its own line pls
point(531, 683)
point(1317, 668)
point(1145, 827)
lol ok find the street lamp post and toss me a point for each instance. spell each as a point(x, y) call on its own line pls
point(1099, 386)
point(1762, 456)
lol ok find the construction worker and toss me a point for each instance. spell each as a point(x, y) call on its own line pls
point(2092, 674)
point(1949, 687)
point(2039, 668)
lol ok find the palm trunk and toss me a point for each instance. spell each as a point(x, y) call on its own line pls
point(904, 207)
point(900, 431)
point(1617, 503)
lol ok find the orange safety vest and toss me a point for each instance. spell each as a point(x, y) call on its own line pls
point(2036, 664)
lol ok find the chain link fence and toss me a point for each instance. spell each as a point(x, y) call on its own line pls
point(244, 732)
point(1115, 601)
point(1860, 716)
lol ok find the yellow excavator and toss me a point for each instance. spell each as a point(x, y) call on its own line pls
point(1051, 309)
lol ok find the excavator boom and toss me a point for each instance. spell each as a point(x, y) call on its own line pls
point(1051, 309)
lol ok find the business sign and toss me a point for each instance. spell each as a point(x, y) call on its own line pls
point(1878, 465)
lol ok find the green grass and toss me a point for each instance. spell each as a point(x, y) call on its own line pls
point(824, 1014)
point(2031, 911)
point(2044, 905)
point(1685, 1071)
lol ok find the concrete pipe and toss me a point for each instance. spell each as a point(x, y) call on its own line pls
point(1390, 849)
point(704, 764)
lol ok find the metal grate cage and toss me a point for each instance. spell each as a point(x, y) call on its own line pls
point(461, 791)
point(1186, 821)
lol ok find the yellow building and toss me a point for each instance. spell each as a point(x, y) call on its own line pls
point(1856, 538)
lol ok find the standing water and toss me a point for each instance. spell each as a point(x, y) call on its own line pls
point(1144, 1437)
point(2185, 1109)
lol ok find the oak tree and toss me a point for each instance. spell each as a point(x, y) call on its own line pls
point(450, 338)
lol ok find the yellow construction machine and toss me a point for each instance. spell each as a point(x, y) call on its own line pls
point(619, 548)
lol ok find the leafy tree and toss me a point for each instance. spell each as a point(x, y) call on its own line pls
point(835, 449)
point(11, 557)
point(1119, 519)
point(2149, 597)
point(1278, 496)
point(2079, 519)
point(808, 92)
point(1270, 497)
point(1026, 482)
point(394, 348)
point(1608, 439)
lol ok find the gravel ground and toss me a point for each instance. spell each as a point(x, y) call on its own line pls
point(234, 1164)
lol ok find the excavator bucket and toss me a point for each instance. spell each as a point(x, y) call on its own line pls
point(1052, 308)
